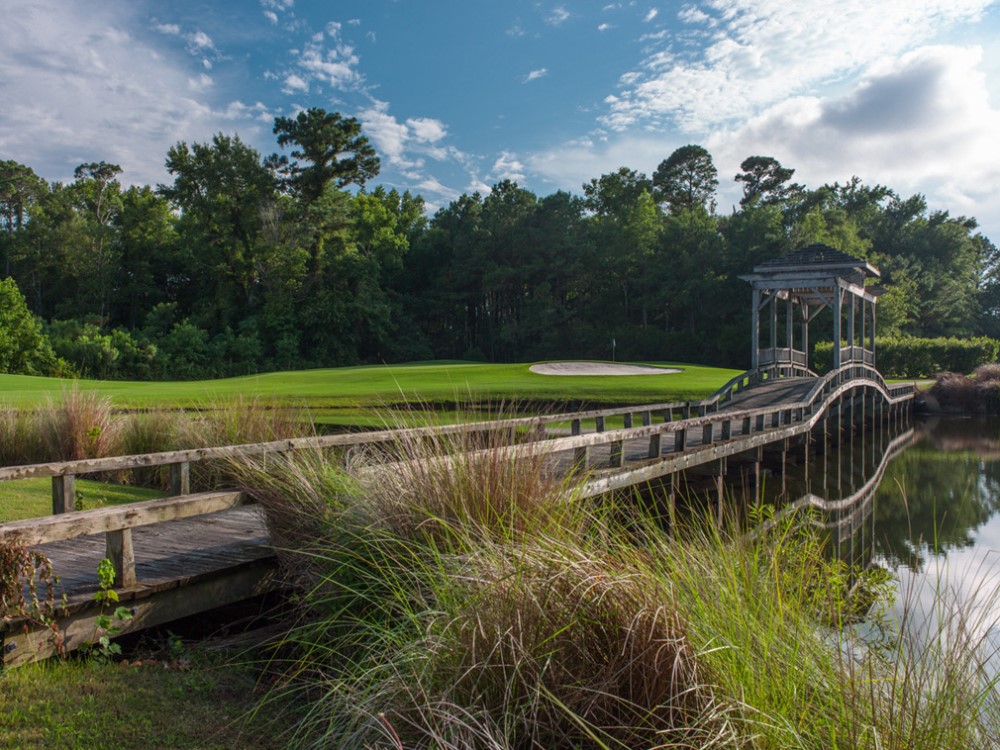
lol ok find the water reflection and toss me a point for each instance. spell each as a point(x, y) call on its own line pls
point(924, 503)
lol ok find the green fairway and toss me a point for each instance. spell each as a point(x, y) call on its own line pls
point(31, 498)
point(388, 385)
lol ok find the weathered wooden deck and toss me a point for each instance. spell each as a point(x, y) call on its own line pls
point(191, 553)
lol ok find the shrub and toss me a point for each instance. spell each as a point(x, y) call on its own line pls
point(910, 357)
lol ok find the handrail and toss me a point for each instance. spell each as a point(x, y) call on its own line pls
point(693, 414)
point(116, 523)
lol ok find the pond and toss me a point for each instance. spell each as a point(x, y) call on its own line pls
point(923, 503)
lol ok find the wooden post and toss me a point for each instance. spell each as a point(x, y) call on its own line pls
point(707, 434)
point(599, 423)
point(647, 418)
point(63, 494)
point(628, 420)
point(680, 440)
point(618, 453)
point(758, 490)
point(850, 325)
point(720, 490)
point(727, 429)
point(180, 478)
point(654, 445)
point(118, 549)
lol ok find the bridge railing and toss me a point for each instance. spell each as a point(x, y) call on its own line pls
point(116, 523)
point(548, 429)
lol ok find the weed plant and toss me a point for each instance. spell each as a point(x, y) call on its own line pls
point(460, 597)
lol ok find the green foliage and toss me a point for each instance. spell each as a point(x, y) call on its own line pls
point(332, 147)
point(911, 357)
point(241, 265)
point(24, 348)
point(107, 626)
point(687, 180)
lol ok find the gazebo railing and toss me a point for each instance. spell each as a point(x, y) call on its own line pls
point(783, 355)
point(858, 354)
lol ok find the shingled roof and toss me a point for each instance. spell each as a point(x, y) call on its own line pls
point(816, 254)
point(812, 258)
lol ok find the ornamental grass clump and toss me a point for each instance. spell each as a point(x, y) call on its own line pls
point(81, 424)
point(459, 596)
point(467, 599)
point(975, 394)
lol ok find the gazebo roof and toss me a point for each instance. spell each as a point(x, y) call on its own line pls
point(816, 257)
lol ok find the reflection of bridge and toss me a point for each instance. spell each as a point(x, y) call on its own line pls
point(192, 552)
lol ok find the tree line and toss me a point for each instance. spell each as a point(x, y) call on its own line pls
point(248, 263)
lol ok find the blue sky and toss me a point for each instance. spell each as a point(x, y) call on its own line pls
point(457, 95)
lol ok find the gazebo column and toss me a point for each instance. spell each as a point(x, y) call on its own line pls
point(805, 332)
point(872, 347)
point(774, 327)
point(838, 295)
point(850, 327)
point(755, 331)
point(788, 326)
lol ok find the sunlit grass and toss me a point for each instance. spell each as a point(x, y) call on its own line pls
point(380, 385)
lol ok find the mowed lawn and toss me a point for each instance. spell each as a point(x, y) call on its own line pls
point(354, 396)
point(376, 386)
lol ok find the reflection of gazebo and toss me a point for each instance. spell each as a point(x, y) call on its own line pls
point(809, 280)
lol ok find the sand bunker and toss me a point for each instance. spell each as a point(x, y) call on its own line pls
point(598, 368)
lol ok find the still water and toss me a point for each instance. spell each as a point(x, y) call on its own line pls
point(924, 503)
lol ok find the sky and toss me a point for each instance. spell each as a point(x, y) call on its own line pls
point(457, 95)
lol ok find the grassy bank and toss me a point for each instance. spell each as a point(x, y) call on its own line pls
point(198, 703)
point(470, 602)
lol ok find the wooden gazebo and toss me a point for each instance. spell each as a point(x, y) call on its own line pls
point(807, 281)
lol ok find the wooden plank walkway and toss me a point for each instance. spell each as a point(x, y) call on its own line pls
point(166, 554)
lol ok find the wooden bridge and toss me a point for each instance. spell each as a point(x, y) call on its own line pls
point(189, 553)
point(192, 552)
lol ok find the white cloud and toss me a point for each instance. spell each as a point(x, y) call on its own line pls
point(168, 28)
point(426, 129)
point(604, 26)
point(558, 16)
point(507, 167)
point(77, 88)
point(922, 123)
point(405, 145)
point(294, 83)
point(516, 30)
point(535, 75)
point(199, 40)
point(653, 13)
point(201, 83)
point(763, 51)
point(271, 16)
point(568, 166)
point(278, 4)
point(334, 65)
